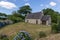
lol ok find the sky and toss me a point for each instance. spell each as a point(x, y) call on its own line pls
point(8, 6)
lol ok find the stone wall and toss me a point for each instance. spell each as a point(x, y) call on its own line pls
point(33, 21)
point(48, 22)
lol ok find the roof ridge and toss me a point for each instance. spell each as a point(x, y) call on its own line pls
point(37, 12)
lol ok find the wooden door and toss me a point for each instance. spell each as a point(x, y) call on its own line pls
point(36, 21)
point(44, 22)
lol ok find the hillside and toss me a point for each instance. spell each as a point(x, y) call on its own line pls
point(33, 29)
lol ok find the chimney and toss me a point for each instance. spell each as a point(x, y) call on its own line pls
point(42, 13)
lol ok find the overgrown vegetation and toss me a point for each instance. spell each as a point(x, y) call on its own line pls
point(3, 14)
point(52, 13)
point(32, 29)
point(3, 37)
point(42, 34)
point(56, 27)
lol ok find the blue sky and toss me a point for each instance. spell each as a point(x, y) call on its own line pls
point(8, 6)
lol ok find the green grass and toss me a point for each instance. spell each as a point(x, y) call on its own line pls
point(33, 29)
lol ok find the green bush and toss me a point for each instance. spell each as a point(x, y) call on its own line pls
point(54, 28)
point(58, 27)
point(15, 19)
point(3, 37)
point(42, 34)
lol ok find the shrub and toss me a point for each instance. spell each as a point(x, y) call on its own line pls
point(42, 34)
point(58, 27)
point(15, 19)
point(54, 28)
point(22, 35)
point(3, 37)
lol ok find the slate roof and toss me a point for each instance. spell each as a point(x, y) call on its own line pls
point(45, 17)
point(37, 15)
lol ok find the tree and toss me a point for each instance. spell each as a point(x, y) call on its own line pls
point(52, 13)
point(58, 22)
point(56, 27)
point(16, 14)
point(24, 10)
point(3, 14)
point(15, 17)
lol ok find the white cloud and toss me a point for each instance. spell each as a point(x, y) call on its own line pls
point(27, 4)
point(52, 3)
point(7, 5)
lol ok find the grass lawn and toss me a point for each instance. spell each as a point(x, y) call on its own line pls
point(33, 29)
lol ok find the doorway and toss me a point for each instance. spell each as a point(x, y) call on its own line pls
point(44, 22)
point(36, 21)
point(27, 21)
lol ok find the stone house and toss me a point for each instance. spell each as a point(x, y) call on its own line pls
point(38, 18)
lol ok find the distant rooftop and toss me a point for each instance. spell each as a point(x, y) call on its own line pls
point(3, 17)
point(36, 15)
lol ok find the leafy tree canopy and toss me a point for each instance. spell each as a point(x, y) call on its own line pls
point(52, 13)
point(25, 9)
point(3, 14)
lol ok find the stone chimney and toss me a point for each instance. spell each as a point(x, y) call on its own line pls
point(42, 13)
